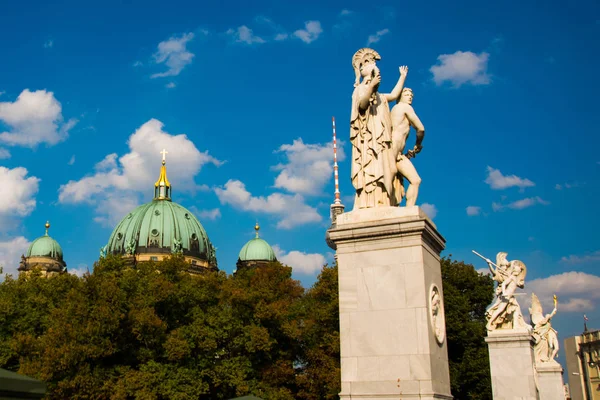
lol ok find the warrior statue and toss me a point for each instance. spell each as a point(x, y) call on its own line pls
point(546, 338)
point(373, 170)
point(505, 312)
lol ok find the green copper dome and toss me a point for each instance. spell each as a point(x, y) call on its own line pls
point(161, 226)
point(257, 250)
point(45, 246)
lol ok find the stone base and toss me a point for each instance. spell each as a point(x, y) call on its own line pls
point(392, 347)
point(550, 381)
point(512, 365)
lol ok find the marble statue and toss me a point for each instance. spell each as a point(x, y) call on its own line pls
point(546, 338)
point(212, 255)
point(373, 171)
point(437, 314)
point(130, 247)
point(177, 247)
point(403, 117)
point(505, 312)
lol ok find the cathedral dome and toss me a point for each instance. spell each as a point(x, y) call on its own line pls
point(161, 227)
point(45, 246)
point(257, 249)
point(44, 254)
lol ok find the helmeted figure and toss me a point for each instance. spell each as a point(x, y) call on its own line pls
point(373, 169)
point(506, 313)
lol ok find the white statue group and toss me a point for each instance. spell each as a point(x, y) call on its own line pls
point(505, 312)
point(379, 166)
point(378, 136)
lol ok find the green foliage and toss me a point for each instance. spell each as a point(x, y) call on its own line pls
point(467, 293)
point(320, 377)
point(154, 331)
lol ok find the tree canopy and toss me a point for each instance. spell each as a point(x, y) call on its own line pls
point(154, 331)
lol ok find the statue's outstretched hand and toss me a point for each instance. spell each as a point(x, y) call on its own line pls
point(403, 70)
point(412, 153)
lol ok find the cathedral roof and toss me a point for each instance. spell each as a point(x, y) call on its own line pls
point(161, 226)
point(45, 246)
point(257, 249)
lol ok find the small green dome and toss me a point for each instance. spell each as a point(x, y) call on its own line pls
point(45, 246)
point(257, 249)
point(161, 227)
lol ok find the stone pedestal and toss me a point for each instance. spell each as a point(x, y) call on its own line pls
point(512, 365)
point(550, 381)
point(392, 328)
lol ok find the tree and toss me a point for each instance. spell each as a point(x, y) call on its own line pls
point(467, 293)
point(320, 353)
point(153, 331)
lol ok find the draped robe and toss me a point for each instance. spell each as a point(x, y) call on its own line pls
point(373, 169)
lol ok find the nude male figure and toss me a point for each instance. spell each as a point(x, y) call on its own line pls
point(403, 117)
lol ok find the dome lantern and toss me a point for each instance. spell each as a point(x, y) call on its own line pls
point(162, 187)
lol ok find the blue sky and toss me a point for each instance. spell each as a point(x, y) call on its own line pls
point(242, 97)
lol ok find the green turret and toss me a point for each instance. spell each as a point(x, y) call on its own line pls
point(256, 252)
point(45, 254)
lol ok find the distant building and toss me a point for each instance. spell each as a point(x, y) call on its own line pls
point(583, 364)
point(255, 253)
point(155, 230)
point(44, 255)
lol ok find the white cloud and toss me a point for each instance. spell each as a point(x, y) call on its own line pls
point(211, 215)
point(311, 32)
point(581, 259)
point(568, 185)
point(281, 36)
point(111, 206)
point(138, 64)
point(473, 210)
point(460, 68)
point(115, 186)
point(346, 12)
point(243, 34)
point(170, 85)
point(301, 262)
point(309, 167)
point(10, 255)
point(377, 36)
point(18, 192)
point(4, 154)
point(520, 204)
point(498, 181)
point(2, 92)
point(290, 209)
point(173, 54)
point(576, 291)
point(48, 44)
point(72, 160)
point(429, 209)
point(81, 270)
point(34, 118)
